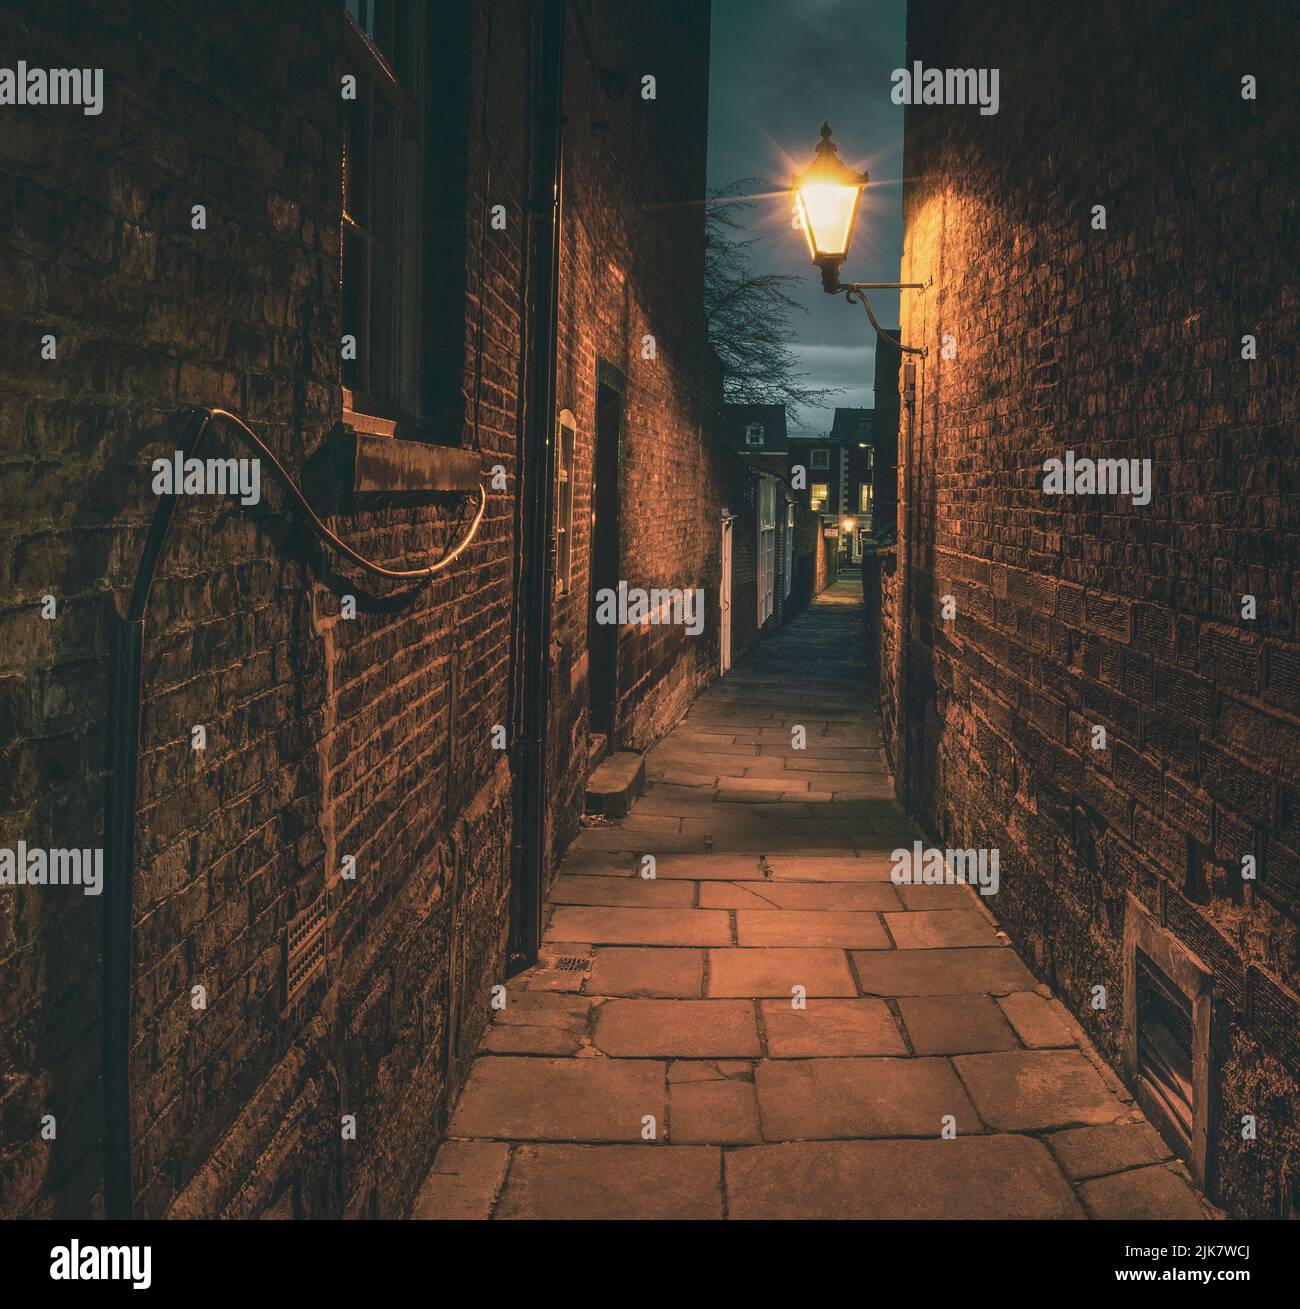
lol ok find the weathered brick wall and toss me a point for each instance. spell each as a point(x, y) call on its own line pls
point(632, 268)
point(325, 736)
point(1089, 610)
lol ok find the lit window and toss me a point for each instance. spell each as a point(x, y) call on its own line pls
point(821, 493)
point(864, 498)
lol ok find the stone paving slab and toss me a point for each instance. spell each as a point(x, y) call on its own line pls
point(539, 1022)
point(811, 1099)
point(935, 897)
point(629, 971)
point(830, 1028)
point(1141, 1194)
point(685, 1029)
point(525, 1099)
point(972, 1177)
point(624, 892)
point(716, 1111)
point(709, 867)
point(824, 897)
point(955, 1024)
point(809, 927)
point(464, 1181)
point(943, 929)
point(1039, 1022)
point(596, 1182)
point(1084, 1152)
point(1032, 1090)
point(789, 866)
point(603, 926)
point(765, 971)
point(994, 970)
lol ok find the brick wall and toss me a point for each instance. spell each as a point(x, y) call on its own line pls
point(632, 265)
point(326, 736)
point(1080, 611)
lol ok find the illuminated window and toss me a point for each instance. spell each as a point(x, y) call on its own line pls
point(382, 219)
point(864, 498)
point(821, 493)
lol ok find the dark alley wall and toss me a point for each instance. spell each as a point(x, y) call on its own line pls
point(327, 737)
point(1091, 610)
point(1082, 611)
point(632, 265)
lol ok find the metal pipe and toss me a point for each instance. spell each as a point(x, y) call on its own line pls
point(538, 488)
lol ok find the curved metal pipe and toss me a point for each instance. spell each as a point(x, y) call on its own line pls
point(125, 701)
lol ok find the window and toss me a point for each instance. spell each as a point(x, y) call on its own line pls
point(564, 505)
point(864, 498)
point(766, 549)
point(821, 493)
point(382, 219)
point(821, 459)
point(754, 434)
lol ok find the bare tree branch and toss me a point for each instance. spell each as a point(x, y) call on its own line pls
point(750, 313)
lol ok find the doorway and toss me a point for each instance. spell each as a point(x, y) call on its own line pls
point(606, 489)
point(788, 569)
point(724, 599)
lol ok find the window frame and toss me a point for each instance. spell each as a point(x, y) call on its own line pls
point(820, 459)
point(824, 498)
point(376, 406)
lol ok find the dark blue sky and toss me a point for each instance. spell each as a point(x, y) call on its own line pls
point(778, 68)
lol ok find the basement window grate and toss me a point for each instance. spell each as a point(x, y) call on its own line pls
point(572, 964)
point(304, 948)
point(1165, 1044)
point(1166, 1034)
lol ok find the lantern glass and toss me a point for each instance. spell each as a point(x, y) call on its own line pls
point(826, 213)
point(826, 196)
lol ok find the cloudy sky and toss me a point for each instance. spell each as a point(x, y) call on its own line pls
point(779, 68)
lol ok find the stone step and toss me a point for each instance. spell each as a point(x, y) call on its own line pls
point(614, 784)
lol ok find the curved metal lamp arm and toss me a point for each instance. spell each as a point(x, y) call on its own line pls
point(858, 291)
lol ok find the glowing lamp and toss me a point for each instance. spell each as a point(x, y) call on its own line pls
point(826, 196)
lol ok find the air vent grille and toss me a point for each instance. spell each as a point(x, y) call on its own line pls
point(304, 948)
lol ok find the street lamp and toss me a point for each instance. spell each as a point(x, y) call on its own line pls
point(826, 197)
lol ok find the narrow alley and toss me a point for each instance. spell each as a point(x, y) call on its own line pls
point(659, 1061)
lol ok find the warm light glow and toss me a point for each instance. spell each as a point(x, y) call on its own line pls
point(847, 525)
point(826, 213)
point(826, 196)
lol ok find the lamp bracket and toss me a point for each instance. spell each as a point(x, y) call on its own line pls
point(858, 291)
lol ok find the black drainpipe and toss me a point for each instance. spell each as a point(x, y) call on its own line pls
point(125, 663)
point(537, 485)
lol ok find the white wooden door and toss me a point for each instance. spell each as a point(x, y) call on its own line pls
point(724, 598)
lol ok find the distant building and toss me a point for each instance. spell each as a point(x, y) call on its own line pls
point(836, 477)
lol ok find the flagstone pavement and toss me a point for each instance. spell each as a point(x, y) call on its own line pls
point(656, 1063)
